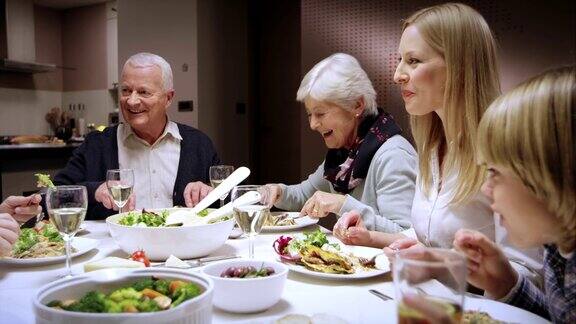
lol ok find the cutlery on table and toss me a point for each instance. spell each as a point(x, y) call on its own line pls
point(200, 262)
point(380, 295)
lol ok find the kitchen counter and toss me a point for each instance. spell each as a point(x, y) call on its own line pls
point(19, 162)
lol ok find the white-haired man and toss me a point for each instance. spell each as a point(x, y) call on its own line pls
point(170, 160)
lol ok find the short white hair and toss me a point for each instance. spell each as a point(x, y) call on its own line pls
point(149, 59)
point(339, 79)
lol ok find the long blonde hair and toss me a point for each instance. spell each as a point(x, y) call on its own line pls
point(531, 130)
point(465, 41)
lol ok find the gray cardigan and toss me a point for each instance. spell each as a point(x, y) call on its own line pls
point(384, 198)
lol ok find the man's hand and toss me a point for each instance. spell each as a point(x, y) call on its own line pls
point(22, 208)
point(103, 196)
point(9, 231)
point(194, 192)
point(350, 229)
point(322, 203)
point(488, 267)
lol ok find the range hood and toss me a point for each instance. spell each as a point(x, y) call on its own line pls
point(17, 38)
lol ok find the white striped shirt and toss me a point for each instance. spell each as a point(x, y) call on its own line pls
point(155, 166)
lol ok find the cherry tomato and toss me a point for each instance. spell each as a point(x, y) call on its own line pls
point(140, 256)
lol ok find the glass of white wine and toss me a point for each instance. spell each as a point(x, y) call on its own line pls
point(67, 208)
point(217, 174)
point(249, 218)
point(120, 183)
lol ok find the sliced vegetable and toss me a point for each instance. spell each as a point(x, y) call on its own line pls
point(140, 256)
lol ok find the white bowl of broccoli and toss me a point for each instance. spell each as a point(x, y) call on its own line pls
point(127, 296)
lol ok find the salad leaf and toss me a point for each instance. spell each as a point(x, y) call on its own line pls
point(51, 233)
point(43, 180)
point(147, 218)
point(28, 237)
point(203, 213)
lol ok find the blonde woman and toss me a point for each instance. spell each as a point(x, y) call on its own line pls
point(526, 139)
point(448, 76)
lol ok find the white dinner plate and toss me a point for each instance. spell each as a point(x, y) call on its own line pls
point(501, 311)
point(300, 222)
point(81, 244)
point(382, 264)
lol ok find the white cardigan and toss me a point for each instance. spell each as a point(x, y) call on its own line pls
point(436, 222)
point(384, 197)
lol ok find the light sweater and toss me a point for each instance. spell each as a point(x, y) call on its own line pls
point(383, 198)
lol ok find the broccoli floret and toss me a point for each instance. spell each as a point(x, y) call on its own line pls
point(148, 305)
point(184, 293)
point(92, 302)
point(28, 237)
point(162, 286)
point(55, 303)
point(143, 284)
point(125, 293)
point(111, 306)
point(129, 305)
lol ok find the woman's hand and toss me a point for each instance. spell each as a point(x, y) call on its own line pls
point(271, 194)
point(322, 203)
point(350, 229)
point(22, 208)
point(488, 267)
point(9, 231)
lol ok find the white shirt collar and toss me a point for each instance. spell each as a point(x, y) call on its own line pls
point(170, 129)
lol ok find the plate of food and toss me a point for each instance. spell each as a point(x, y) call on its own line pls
point(479, 310)
point(313, 254)
point(44, 245)
point(287, 221)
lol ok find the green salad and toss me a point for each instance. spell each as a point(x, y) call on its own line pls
point(316, 238)
point(146, 295)
point(152, 219)
point(41, 241)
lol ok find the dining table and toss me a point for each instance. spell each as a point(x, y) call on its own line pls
point(349, 300)
point(346, 299)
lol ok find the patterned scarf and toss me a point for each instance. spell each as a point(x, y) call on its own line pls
point(345, 168)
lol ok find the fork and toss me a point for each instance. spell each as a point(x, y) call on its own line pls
point(380, 294)
point(369, 262)
point(31, 223)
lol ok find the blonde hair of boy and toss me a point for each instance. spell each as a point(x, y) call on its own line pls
point(462, 36)
point(531, 130)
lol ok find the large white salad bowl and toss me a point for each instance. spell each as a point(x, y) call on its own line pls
point(194, 311)
point(184, 242)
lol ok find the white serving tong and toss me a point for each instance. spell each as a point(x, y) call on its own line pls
point(188, 216)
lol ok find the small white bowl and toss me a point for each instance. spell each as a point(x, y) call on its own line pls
point(194, 311)
point(185, 242)
point(247, 295)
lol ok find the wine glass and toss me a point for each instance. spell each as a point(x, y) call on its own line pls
point(217, 174)
point(120, 183)
point(66, 206)
point(436, 275)
point(249, 218)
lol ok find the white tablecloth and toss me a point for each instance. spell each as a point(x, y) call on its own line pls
point(349, 300)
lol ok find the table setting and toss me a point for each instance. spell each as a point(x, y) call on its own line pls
point(294, 272)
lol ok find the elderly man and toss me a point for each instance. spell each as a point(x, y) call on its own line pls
point(170, 160)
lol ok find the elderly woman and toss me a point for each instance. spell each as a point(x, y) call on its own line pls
point(369, 166)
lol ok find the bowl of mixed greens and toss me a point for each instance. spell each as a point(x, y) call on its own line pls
point(148, 231)
point(124, 296)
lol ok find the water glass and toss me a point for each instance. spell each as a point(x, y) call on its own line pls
point(67, 206)
point(219, 173)
point(437, 275)
point(120, 183)
point(250, 218)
